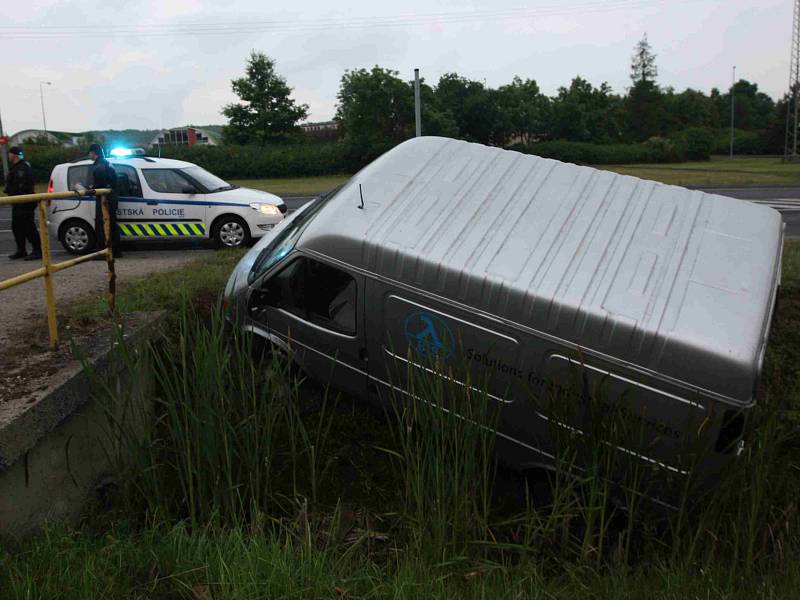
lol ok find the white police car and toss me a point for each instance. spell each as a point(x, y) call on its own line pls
point(162, 198)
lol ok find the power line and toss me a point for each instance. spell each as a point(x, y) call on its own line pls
point(326, 24)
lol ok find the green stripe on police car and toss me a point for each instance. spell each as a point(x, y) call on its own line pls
point(161, 229)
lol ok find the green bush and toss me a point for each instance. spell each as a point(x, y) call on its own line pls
point(652, 151)
point(690, 144)
point(255, 162)
point(696, 143)
point(230, 161)
point(744, 142)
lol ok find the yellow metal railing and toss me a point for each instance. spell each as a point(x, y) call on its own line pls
point(48, 268)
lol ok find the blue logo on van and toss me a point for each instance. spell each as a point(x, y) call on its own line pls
point(428, 334)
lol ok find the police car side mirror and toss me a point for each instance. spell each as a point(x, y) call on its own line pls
point(189, 189)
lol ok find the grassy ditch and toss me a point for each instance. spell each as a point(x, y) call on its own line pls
point(256, 483)
point(294, 186)
point(202, 281)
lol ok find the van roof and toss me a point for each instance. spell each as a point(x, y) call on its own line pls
point(678, 282)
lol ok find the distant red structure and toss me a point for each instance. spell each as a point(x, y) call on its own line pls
point(185, 136)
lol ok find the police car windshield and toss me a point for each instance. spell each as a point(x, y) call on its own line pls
point(209, 181)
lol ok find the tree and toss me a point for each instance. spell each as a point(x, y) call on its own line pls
point(266, 112)
point(584, 113)
point(752, 109)
point(775, 134)
point(375, 110)
point(690, 108)
point(436, 120)
point(523, 111)
point(643, 65)
point(472, 106)
point(643, 104)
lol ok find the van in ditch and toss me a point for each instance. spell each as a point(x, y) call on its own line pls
point(533, 274)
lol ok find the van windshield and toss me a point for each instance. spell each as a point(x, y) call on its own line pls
point(285, 241)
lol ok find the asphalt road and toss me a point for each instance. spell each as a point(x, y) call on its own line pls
point(784, 199)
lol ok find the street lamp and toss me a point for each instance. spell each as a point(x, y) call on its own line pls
point(41, 97)
point(733, 96)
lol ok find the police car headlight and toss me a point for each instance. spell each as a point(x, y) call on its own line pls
point(266, 209)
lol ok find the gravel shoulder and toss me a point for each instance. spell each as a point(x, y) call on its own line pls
point(22, 308)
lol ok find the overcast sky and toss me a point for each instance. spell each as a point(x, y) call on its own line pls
point(145, 76)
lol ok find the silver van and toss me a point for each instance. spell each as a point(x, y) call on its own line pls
point(532, 274)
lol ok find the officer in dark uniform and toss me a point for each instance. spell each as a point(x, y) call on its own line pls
point(104, 176)
point(19, 182)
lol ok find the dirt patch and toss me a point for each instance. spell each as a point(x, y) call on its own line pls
point(22, 374)
point(23, 326)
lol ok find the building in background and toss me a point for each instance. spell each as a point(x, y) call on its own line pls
point(185, 136)
point(40, 136)
point(324, 130)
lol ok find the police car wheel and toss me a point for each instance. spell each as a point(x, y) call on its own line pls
point(231, 232)
point(77, 237)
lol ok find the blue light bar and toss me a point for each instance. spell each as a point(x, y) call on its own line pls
point(121, 152)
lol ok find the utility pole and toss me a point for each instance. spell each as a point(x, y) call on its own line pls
point(4, 152)
point(41, 97)
point(417, 109)
point(790, 142)
point(733, 87)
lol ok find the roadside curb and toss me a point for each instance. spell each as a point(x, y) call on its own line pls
point(51, 450)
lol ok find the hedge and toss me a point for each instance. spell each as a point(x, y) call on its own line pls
point(744, 142)
point(230, 162)
point(254, 162)
point(689, 145)
point(332, 158)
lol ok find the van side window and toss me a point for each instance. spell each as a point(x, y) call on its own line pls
point(316, 292)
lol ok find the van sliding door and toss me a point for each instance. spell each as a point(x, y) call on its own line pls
point(415, 338)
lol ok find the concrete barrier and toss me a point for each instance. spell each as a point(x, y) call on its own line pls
point(57, 443)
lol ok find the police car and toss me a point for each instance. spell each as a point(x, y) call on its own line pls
point(161, 198)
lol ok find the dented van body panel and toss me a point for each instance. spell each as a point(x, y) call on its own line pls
point(529, 273)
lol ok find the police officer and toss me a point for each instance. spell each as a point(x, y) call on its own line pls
point(104, 176)
point(19, 182)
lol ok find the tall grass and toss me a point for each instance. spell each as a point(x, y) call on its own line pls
point(443, 431)
point(228, 445)
point(236, 446)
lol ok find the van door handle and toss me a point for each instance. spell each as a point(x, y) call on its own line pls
point(363, 354)
point(152, 203)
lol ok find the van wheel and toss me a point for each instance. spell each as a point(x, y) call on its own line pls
point(231, 231)
point(77, 237)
